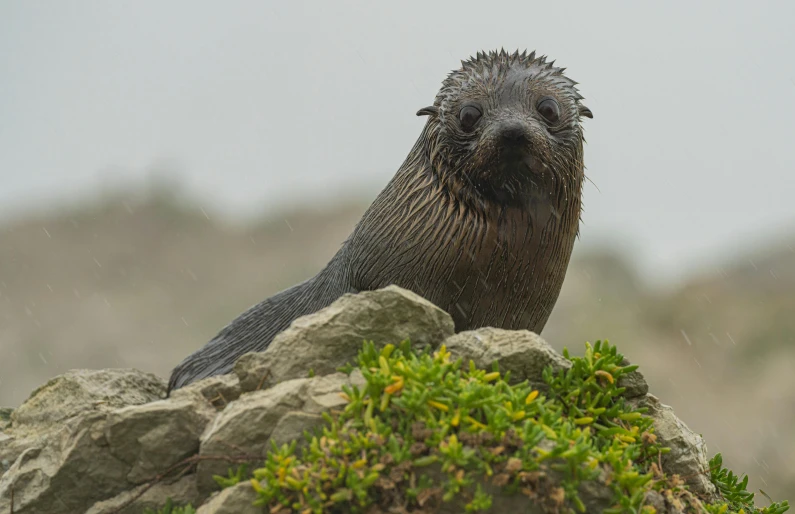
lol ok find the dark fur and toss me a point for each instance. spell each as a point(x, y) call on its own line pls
point(484, 233)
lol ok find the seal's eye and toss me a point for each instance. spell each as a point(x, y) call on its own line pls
point(469, 115)
point(549, 109)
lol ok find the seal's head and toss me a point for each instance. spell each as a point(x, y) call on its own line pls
point(506, 127)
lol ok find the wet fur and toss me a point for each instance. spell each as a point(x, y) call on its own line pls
point(455, 224)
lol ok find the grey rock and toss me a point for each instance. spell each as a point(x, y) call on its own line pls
point(688, 455)
point(246, 428)
point(596, 495)
point(153, 437)
point(323, 393)
point(238, 499)
point(49, 408)
point(328, 339)
point(67, 472)
point(291, 427)
point(218, 390)
point(98, 455)
point(13, 445)
point(9, 445)
point(182, 492)
point(656, 500)
point(80, 391)
point(96, 440)
point(523, 353)
point(5, 417)
point(634, 383)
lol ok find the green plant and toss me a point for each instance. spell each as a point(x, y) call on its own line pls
point(425, 429)
point(734, 490)
point(233, 478)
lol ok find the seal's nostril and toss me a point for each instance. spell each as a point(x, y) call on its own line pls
point(513, 133)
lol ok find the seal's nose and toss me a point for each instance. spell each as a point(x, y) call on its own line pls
point(513, 133)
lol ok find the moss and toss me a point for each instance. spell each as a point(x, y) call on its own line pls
point(426, 430)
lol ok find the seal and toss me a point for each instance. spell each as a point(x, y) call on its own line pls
point(480, 219)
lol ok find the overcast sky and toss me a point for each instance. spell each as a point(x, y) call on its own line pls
point(265, 104)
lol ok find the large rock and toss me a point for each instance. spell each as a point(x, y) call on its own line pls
point(80, 391)
point(280, 414)
point(634, 383)
point(137, 500)
point(328, 339)
point(688, 455)
point(5, 417)
point(238, 499)
point(153, 437)
point(100, 453)
point(64, 472)
point(523, 353)
point(243, 429)
point(105, 441)
point(219, 390)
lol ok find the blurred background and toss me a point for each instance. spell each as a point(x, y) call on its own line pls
point(165, 165)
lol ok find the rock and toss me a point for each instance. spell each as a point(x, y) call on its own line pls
point(237, 499)
point(218, 390)
point(80, 391)
point(656, 500)
point(521, 352)
point(596, 494)
point(280, 414)
point(5, 417)
point(244, 428)
point(12, 446)
point(328, 339)
point(98, 455)
point(292, 425)
point(153, 437)
point(7, 443)
point(323, 393)
point(67, 472)
point(181, 492)
point(95, 440)
point(688, 455)
point(634, 383)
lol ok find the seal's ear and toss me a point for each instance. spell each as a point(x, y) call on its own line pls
point(427, 111)
point(584, 111)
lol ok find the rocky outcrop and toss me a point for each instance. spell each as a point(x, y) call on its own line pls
point(181, 491)
point(522, 353)
point(99, 453)
point(109, 441)
point(238, 499)
point(276, 415)
point(5, 417)
point(78, 391)
point(320, 343)
point(688, 455)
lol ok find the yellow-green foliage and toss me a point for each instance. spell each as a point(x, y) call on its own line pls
point(425, 430)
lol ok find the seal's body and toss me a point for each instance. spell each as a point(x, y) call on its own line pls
point(480, 219)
